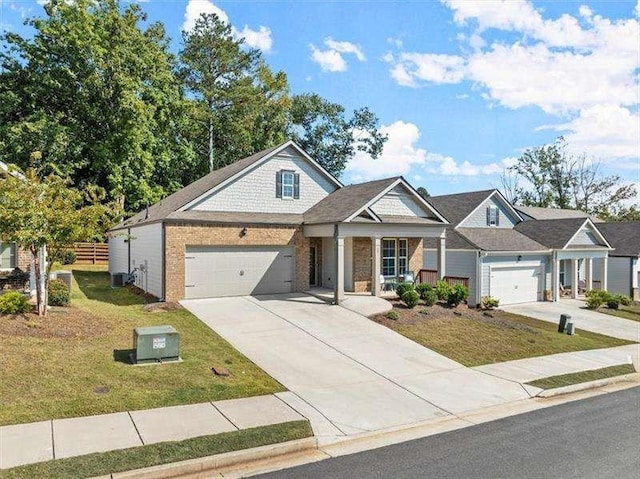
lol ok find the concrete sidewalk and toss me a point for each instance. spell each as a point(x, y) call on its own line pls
point(530, 369)
point(42, 441)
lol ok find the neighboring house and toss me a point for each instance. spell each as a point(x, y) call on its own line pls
point(623, 273)
point(492, 244)
point(275, 222)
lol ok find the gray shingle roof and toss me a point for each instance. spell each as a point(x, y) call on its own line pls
point(551, 233)
point(454, 240)
point(177, 200)
point(457, 207)
point(235, 217)
point(342, 203)
point(500, 239)
point(623, 236)
point(550, 213)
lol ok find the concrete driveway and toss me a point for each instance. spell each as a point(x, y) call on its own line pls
point(583, 318)
point(344, 372)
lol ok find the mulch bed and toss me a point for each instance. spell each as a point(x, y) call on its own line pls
point(60, 322)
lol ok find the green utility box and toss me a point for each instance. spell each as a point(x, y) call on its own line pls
point(156, 344)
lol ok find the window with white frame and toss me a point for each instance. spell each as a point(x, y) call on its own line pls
point(492, 215)
point(395, 257)
point(403, 256)
point(288, 182)
point(561, 272)
point(8, 258)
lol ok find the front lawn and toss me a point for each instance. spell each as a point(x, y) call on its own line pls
point(626, 312)
point(105, 463)
point(473, 338)
point(75, 362)
point(582, 376)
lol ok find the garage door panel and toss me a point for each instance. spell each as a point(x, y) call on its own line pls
point(515, 284)
point(238, 271)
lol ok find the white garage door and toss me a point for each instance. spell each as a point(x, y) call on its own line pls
point(515, 284)
point(237, 271)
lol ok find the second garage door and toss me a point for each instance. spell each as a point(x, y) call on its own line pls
point(515, 284)
point(237, 271)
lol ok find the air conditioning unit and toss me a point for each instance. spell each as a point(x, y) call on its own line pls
point(118, 280)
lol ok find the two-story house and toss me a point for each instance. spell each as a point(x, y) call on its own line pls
point(276, 222)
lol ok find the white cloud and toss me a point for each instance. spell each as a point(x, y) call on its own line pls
point(260, 38)
point(409, 67)
point(462, 96)
point(402, 156)
point(332, 59)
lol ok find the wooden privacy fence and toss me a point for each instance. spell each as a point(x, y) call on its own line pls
point(91, 253)
point(430, 276)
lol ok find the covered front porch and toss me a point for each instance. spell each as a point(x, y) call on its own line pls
point(368, 258)
point(576, 272)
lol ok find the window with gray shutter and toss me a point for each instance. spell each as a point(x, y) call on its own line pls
point(7, 256)
point(296, 186)
point(278, 184)
point(287, 184)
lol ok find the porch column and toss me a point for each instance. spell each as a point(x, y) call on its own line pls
point(338, 292)
point(605, 272)
point(375, 266)
point(588, 274)
point(441, 254)
point(556, 278)
point(574, 278)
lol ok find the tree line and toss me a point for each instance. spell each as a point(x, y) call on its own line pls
point(96, 96)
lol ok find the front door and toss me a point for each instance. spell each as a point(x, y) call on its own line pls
point(313, 266)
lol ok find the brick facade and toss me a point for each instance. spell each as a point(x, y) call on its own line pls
point(24, 259)
point(179, 236)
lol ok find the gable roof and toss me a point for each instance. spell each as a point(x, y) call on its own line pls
point(623, 236)
point(458, 207)
point(192, 192)
point(538, 213)
point(346, 203)
point(556, 233)
point(500, 239)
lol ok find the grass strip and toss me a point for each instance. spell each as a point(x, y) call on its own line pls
point(104, 463)
point(582, 377)
point(625, 312)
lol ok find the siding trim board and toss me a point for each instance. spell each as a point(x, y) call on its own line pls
point(502, 199)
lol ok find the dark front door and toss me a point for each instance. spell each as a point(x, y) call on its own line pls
point(313, 266)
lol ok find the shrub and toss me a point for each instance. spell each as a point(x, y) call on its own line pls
point(443, 290)
point(69, 257)
point(58, 293)
point(393, 315)
point(403, 288)
point(625, 300)
point(595, 298)
point(615, 300)
point(13, 303)
point(489, 302)
point(410, 298)
point(430, 297)
point(458, 294)
point(422, 288)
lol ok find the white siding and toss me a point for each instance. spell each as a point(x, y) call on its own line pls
point(328, 262)
point(255, 191)
point(398, 202)
point(457, 263)
point(118, 253)
point(619, 276)
point(506, 261)
point(584, 237)
point(478, 219)
point(146, 255)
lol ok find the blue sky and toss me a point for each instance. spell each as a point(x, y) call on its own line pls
point(461, 87)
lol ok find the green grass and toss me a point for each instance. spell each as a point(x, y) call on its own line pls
point(626, 312)
point(582, 377)
point(163, 453)
point(474, 340)
point(57, 377)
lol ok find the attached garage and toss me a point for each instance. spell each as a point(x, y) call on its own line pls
point(215, 271)
point(516, 284)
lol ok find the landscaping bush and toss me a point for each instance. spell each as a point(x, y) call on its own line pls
point(458, 294)
point(625, 300)
point(13, 303)
point(410, 298)
point(489, 302)
point(430, 297)
point(393, 315)
point(422, 288)
point(58, 293)
point(69, 257)
point(596, 298)
point(443, 290)
point(403, 288)
point(615, 300)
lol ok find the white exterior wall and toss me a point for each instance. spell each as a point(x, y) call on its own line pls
point(584, 237)
point(255, 191)
point(478, 219)
point(146, 255)
point(619, 275)
point(506, 261)
point(398, 202)
point(118, 253)
point(457, 263)
point(328, 262)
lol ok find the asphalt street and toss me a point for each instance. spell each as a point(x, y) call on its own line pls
point(593, 438)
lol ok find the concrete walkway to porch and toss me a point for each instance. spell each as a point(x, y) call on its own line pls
point(361, 303)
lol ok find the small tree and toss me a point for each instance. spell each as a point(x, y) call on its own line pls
point(45, 213)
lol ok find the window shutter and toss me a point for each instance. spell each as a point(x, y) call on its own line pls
point(278, 184)
point(497, 216)
point(488, 215)
point(296, 186)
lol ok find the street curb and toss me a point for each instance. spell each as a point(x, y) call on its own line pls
point(598, 383)
point(218, 461)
